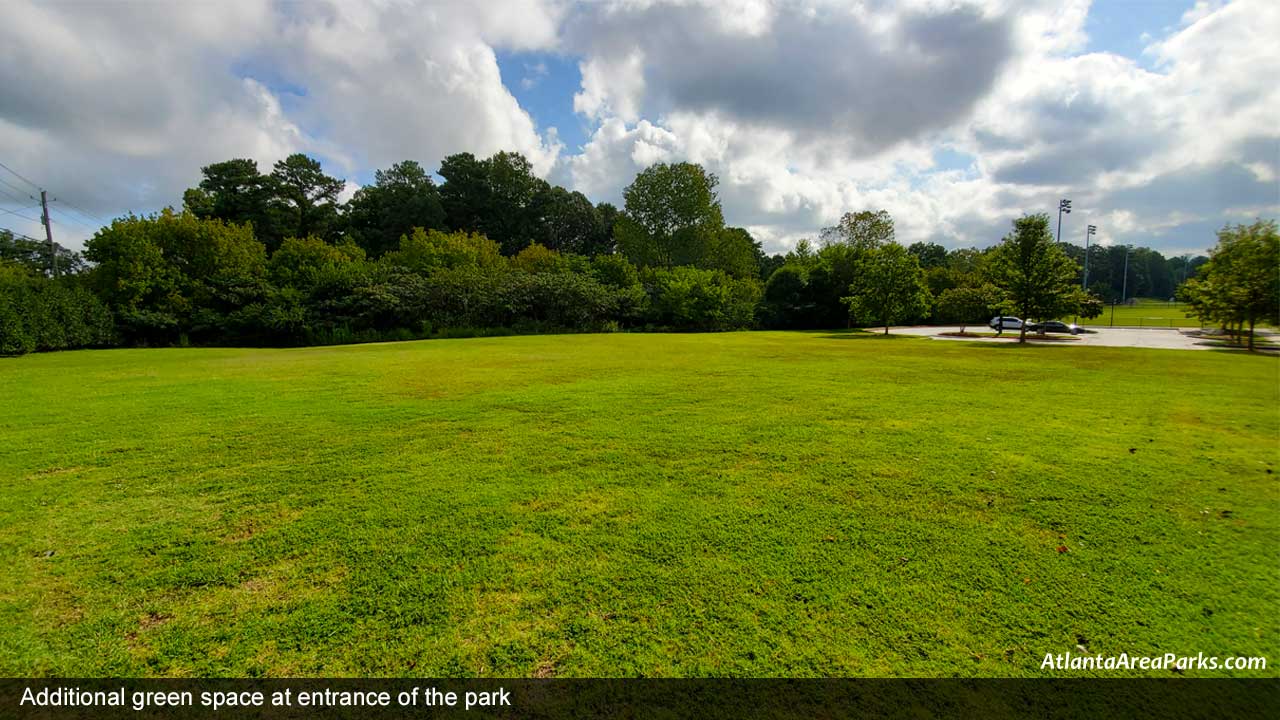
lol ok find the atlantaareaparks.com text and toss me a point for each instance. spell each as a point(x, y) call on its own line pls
point(1168, 661)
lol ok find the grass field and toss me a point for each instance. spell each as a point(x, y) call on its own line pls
point(719, 504)
point(1144, 313)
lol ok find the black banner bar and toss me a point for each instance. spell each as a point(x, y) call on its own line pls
point(274, 699)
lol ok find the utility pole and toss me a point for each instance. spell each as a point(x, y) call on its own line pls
point(48, 233)
point(1124, 286)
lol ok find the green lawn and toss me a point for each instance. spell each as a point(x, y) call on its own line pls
point(718, 504)
point(1145, 313)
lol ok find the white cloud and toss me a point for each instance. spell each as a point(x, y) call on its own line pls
point(117, 106)
point(804, 109)
point(1153, 151)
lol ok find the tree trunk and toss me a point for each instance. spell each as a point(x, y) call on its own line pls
point(1251, 321)
point(1022, 332)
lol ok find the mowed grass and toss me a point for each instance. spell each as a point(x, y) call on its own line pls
point(1145, 313)
point(617, 505)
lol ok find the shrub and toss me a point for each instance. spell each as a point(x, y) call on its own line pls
point(40, 314)
point(686, 298)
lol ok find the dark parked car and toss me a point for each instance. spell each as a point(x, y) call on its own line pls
point(1054, 326)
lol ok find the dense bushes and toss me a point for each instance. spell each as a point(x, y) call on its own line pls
point(686, 298)
point(175, 278)
point(38, 314)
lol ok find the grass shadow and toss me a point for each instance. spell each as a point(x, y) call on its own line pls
point(857, 334)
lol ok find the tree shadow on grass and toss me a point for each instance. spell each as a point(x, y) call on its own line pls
point(866, 335)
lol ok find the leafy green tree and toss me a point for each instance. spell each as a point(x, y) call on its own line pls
point(1036, 277)
point(310, 263)
point(1091, 306)
point(497, 198)
point(304, 198)
point(930, 255)
point(890, 287)
point(769, 264)
point(966, 263)
point(615, 271)
point(34, 254)
point(514, 221)
point(401, 198)
point(465, 194)
point(234, 191)
point(734, 251)
point(604, 244)
point(787, 302)
point(426, 251)
point(689, 298)
point(940, 279)
point(158, 273)
point(569, 222)
point(865, 230)
point(1240, 283)
point(38, 313)
point(623, 279)
point(966, 305)
point(539, 259)
point(671, 216)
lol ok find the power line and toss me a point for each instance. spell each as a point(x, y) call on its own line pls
point(15, 212)
point(15, 187)
point(73, 219)
point(69, 204)
point(82, 211)
point(15, 233)
point(19, 176)
point(45, 218)
point(24, 217)
point(14, 198)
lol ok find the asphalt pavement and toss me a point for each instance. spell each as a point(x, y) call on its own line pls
point(1163, 338)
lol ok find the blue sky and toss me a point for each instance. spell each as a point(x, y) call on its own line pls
point(1124, 27)
point(956, 118)
point(545, 83)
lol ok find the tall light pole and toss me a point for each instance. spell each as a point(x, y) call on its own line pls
point(1064, 206)
point(1124, 286)
point(1093, 230)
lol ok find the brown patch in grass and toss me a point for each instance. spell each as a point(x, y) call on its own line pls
point(254, 585)
point(153, 619)
point(53, 471)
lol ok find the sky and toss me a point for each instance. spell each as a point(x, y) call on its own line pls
point(1157, 119)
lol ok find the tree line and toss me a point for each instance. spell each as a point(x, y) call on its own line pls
point(276, 259)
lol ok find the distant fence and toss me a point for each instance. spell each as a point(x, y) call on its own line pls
point(1155, 322)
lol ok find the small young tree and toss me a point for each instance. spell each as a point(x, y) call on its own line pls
point(889, 287)
point(966, 304)
point(1035, 275)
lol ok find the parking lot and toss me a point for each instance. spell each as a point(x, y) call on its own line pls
point(1163, 338)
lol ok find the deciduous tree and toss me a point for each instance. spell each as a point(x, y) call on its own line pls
point(966, 305)
point(889, 287)
point(670, 216)
point(1240, 284)
point(1036, 277)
